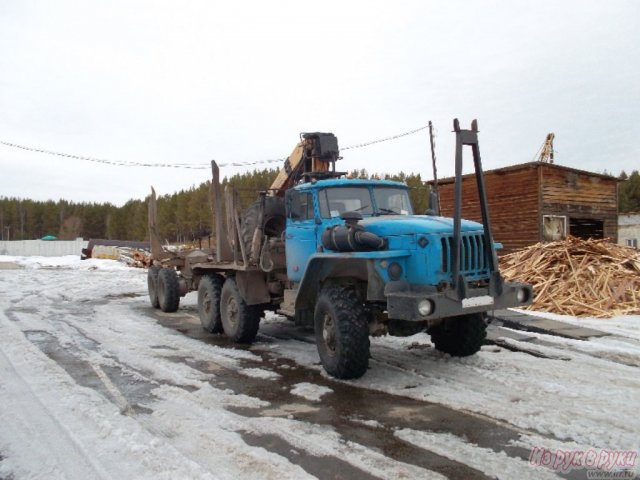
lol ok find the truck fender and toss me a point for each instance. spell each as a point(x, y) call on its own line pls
point(320, 269)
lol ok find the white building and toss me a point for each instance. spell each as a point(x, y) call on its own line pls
point(629, 229)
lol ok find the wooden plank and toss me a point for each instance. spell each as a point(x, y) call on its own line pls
point(578, 277)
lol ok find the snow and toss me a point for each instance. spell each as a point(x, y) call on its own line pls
point(67, 262)
point(52, 428)
point(625, 326)
point(310, 391)
point(579, 394)
point(498, 465)
point(572, 395)
point(259, 373)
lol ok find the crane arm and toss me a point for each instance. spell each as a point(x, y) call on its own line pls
point(316, 152)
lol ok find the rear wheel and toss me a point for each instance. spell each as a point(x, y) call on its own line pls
point(168, 290)
point(342, 332)
point(209, 303)
point(239, 320)
point(460, 336)
point(152, 286)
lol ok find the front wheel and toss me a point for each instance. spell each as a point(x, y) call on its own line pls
point(342, 332)
point(460, 336)
point(239, 320)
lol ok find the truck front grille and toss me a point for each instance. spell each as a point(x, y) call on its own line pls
point(473, 259)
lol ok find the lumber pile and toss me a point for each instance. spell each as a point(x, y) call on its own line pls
point(594, 278)
point(135, 258)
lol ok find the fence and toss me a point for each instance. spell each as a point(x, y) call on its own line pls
point(42, 248)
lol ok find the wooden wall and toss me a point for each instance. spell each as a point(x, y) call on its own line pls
point(513, 198)
point(519, 196)
point(580, 195)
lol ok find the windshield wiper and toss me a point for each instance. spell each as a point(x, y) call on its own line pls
point(387, 211)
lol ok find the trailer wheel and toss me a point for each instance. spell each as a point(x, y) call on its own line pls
point(460, 336)
point(239, 320)
point(342, 332)
point(209, 303)
point(152, 286)
point(168, 291)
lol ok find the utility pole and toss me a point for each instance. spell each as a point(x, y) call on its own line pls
point(435, 196)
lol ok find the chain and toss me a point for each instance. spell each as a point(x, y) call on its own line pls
point(195, 166)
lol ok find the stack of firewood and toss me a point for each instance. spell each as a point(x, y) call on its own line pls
point(594, 278)
point(135, 258)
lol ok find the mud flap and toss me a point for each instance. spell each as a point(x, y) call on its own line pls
point(253, 287)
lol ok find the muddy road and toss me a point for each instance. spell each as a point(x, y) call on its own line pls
point(269, 411)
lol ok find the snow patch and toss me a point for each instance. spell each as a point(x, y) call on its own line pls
point(489, 462)
point(310, 391)
point(260, 373)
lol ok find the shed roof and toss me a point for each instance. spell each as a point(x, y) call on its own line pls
point(522, 166)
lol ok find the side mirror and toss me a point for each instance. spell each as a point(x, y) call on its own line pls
point(434, 204)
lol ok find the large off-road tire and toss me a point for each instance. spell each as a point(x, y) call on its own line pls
point(209, 292)
point(273, 220)
point(152, 286)
point(342, 332)
point(239, 320)
point(168, 290)
point(460, 336)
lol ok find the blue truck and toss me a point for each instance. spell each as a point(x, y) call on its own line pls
point(347, 257)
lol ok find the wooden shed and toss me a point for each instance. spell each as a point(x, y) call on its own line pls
point(537, 201)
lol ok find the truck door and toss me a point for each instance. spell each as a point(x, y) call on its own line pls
point(300, 234)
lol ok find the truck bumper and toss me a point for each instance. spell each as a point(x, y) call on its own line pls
point(420, 304)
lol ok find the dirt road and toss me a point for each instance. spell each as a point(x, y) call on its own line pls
point(93, 376)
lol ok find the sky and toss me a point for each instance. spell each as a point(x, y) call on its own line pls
point(162, 82)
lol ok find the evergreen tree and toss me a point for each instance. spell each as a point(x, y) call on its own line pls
point(629, 192)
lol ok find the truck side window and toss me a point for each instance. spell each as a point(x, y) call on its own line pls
point(324, 204)
point(306, 204)
point(301, 206)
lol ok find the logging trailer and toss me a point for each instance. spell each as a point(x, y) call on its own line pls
point(347, 257)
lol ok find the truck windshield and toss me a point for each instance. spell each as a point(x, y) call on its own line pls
point(386, 201)
point(392, 201)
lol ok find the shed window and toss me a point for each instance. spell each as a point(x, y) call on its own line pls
point(554, 227)
point(632, 242)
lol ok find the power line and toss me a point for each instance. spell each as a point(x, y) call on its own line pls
point(195, 166)
point(386, 139)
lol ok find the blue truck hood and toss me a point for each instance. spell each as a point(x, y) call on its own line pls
point(386, 225)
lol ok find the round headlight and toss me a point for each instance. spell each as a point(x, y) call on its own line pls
point(425, 307)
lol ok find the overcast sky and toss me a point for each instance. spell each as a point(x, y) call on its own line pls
point(237, 81)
